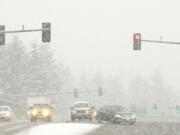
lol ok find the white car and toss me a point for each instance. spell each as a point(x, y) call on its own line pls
point(6, 113)
point(81, 110)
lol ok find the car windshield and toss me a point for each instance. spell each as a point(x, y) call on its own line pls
point(4, 109)
point(81, 105)
point(41, 106)
point(116, 108)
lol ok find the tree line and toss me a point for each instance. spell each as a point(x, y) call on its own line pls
point(28, 71)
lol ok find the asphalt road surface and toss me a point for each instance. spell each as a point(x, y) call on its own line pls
point(140, 128)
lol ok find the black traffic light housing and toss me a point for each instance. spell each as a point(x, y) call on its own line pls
point(100, 91)
point(46, 32)
point(2, 34)
point(137, 41)
point(75, 93)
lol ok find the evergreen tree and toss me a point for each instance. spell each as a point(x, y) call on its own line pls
point(139, 90)
point(43, 71)
point(14, 67)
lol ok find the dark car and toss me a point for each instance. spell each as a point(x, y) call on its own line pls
point(115, 114)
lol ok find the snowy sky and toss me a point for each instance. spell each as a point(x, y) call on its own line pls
point(97, 34)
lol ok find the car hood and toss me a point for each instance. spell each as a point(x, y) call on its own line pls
point(79, 109)
point(4, 112)
point(124, 114)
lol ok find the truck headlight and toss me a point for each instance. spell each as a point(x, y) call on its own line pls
point(46, 112)
point(34, 112)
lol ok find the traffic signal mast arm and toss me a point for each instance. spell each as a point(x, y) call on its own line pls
point(137, 41)
point(164, 42)
point(46, 32)
point(20, 31)
point(52, 93)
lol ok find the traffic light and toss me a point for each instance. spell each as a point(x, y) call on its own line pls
point(155, 108)
point(2, 34)
point(177, 108)
point(100, 91)
point(133, 108)
point(137, 41)
point(46, 32)
point(75, 93)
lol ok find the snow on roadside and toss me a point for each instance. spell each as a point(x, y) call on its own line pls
point(61, 129)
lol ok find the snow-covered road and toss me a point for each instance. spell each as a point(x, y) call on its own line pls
point(60, 129)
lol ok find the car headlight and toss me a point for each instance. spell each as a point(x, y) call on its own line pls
point(8, 114)
point(74, 112)
point(28, 113)
point(87, 112)
point(134, 116)
point(94, 113)
point(46, 112)
point(34, 112)
point(118, 116)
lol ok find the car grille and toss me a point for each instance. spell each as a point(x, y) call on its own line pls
point(124, 115)
point(80, 111)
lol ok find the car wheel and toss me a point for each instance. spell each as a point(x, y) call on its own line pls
point(8, 120)
point(33, 120)
point(80, 119)
point(132, 123)
point(114, 122)
point(72, 118)
point(99, 120)
point(49, 119)
point(90, 119)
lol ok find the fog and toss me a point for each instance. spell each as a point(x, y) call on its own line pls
point(96, 36)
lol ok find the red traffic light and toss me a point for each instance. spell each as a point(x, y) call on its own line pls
point(137, 37)
point(137, 41)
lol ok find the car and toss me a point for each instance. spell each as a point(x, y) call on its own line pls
point(82, 110)
point(115, 114)
point(6, 113)
point(40, 112)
